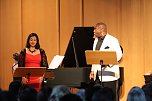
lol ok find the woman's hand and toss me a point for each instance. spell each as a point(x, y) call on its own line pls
point(41, 79)
point(24, 80)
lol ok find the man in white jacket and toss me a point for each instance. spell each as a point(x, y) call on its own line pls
point(105, 42)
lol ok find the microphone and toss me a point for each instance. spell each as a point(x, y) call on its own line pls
point(75, 54)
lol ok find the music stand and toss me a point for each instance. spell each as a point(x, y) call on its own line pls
point(28, 72)
point(101, 57)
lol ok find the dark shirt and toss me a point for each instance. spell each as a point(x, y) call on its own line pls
point(99, 43)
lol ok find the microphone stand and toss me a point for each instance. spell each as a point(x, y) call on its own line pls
point(99, 81)
point(101, 63)
point(28, 77)
point(75, 54)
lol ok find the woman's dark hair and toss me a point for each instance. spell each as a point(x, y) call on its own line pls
point(37, 46)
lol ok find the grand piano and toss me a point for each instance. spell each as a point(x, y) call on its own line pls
point(74, 71)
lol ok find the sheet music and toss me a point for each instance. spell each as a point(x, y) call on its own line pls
point(56, 62)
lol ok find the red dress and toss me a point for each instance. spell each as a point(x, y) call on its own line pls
point(33, 61)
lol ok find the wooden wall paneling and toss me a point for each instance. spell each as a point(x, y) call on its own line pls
point(106, 11)
point(124, 30)
point(137, 38)
point(10, 38)
point(132, 41)
point(41, 16)
point(0, 46)
point(70, 17)
point(147, 33)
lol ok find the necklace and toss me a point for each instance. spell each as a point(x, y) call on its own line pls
point(32, 51)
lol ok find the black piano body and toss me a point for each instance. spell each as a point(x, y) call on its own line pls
point(71, 77)
point(70, 74)
point(82, 40)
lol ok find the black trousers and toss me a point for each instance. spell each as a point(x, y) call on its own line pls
point(114, 86)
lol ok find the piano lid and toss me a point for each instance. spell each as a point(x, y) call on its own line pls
point(83, 40)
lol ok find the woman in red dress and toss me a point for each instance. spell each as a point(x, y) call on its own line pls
point(33, 56)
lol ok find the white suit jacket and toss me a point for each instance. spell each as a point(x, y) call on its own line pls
point(109, 73)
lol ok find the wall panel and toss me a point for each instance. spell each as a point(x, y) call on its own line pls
point(10, 38)
point(147, 33)
point(107, 11)
point(70, 17)
point(41, 16)
point(132, 40)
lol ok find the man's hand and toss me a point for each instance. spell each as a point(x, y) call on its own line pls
point(91, 75)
